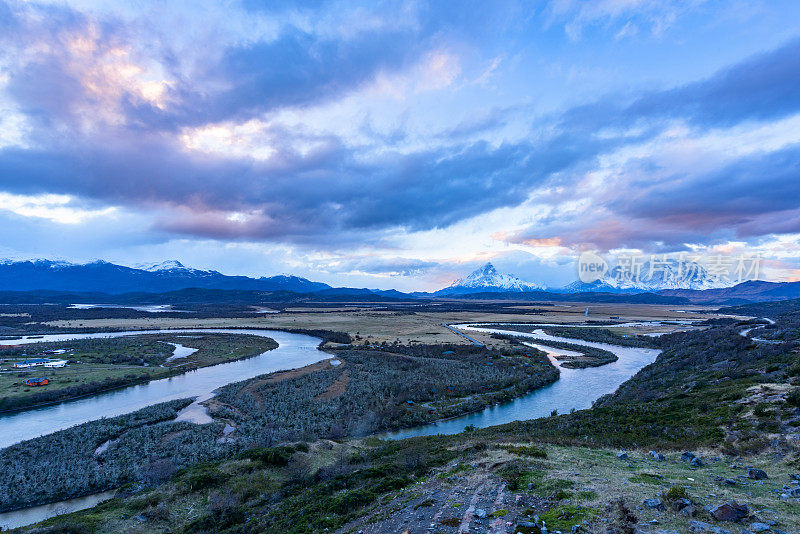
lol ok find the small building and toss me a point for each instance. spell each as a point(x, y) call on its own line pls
point(24, 364)
point(56, 363)
point(57, 351)
point(37, 382)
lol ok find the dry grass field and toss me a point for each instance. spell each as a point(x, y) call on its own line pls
point(377, 325)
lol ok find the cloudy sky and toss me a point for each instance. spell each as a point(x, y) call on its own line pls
point(399, 144)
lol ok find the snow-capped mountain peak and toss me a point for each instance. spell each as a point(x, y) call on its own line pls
point(649, 277)
point(168, 265)
point(488, 278)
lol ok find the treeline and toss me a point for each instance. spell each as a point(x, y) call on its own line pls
point(149, 351)
point(596, 335)
point(785, 313)
point(448, 351)
point(590, 356)
point(382, 391)
point(47, 396)
point(686, 398)
point(128, 350)
point(764, 309)
point(149, 448)
point(603, 335)
point(327, 336)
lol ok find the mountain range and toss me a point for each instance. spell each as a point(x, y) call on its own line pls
point(487, 279)
point(105, 277)
point(484, 283)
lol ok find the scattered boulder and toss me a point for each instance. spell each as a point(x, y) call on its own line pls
point(480, 513)
point(699, 526)
point(687, 456)
point(622, 455)
point(794, 492)
point(680, 504)
point(696, 462)
point(756, 474)
point(759, 527)
point(657, 456)
point(689, 511)
point(730, 482)
point(655, 503)
point(794, 476)
point(731, 512)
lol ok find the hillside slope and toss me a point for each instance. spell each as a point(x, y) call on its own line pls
point(732, 401)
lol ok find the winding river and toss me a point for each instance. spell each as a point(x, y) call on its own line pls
point(294, 350)
point(576, 388)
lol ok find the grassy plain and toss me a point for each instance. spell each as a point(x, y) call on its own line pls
point(706, 393)
point(376, 326)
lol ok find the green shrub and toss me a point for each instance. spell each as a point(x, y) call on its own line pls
point(676, 492)
point(533, 452)
point(565, 516)
point(271, 456)
point(515, 474)
point(205, 477)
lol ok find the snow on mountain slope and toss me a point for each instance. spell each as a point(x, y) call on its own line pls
point(168, 265)
point(488, 279)
point(647, 277)
point(102, 276)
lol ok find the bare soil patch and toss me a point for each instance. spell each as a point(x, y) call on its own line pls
point(337, 388)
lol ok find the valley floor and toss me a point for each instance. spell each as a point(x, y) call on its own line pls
point(732, 401)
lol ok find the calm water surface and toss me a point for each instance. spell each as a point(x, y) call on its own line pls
point(294, 350)
point(34, 514)
point(576, 388)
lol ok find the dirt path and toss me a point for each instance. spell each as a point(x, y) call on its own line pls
point(470, 501)
point(256, 385)
point(467, 519)
point(337, 388)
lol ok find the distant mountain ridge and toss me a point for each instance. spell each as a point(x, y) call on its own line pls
point(105, 277)
point(666, 274)
point(487, 279)
point(485, 283)
point(750, 291)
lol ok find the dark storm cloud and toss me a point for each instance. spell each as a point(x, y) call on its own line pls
point(735, 196)
point(762, 87)
point(333, 189)
point(759, 88)
point(322, 191)
point(296, 69)
point(755, 196)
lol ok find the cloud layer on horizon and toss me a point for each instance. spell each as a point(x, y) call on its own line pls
point(346, 127)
